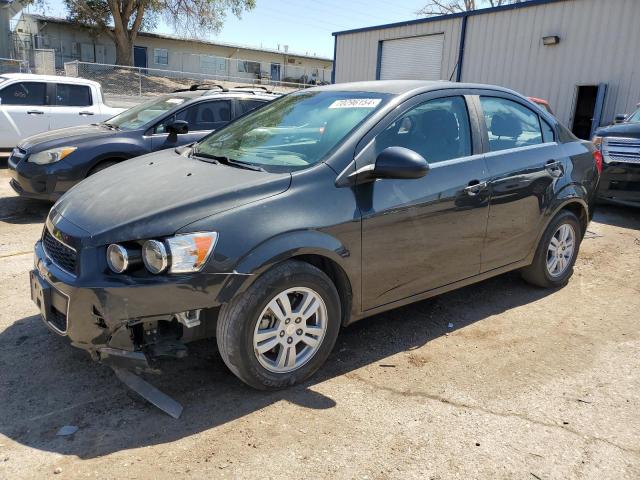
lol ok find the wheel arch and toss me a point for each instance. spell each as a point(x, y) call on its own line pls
point(107, 157)
point(576, 205)
point(321, 250)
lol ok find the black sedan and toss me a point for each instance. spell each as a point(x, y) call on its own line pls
point(321, 208)
point(619, 150)
point(46, 165)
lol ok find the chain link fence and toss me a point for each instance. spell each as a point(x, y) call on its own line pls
point(11, 65)
point(118, 80)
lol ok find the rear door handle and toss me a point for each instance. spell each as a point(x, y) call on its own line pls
point(85, 113)
point(554, 167)
point(35, 112)
point(475, 187)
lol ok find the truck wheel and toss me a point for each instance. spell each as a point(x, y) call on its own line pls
point(282, 328)
point(556, 253)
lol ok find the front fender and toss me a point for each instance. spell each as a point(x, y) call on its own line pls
point(281, 248)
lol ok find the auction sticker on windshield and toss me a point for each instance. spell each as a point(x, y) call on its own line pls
point(177, 101)
point(356, 103)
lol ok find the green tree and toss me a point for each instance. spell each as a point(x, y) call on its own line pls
point(122, 20)
point(445, 7)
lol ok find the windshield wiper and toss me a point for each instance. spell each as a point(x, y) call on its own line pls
point(110, 125)
point(227, 161)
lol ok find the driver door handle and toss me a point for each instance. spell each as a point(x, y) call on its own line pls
point(85, 113)
point(35, 112)
point(475, 187)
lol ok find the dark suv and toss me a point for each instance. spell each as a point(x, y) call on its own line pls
point(46, 165)
point(619, 150)
point(321, 208)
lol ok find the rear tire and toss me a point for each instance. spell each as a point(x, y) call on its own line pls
point(556, 254)
point(282, 328)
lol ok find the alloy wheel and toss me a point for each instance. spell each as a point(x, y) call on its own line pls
point(290, 330)
point(560, 250)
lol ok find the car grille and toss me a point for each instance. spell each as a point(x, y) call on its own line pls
point(621, 150)
point(63, 256)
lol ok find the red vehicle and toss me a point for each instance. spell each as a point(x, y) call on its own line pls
point(543, 103)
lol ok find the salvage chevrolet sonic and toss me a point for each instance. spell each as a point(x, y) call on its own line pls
point(324, 207)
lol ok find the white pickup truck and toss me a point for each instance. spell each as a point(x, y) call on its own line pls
point(31, 104)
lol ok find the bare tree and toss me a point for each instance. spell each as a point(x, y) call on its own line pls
point(122, 19)
point(445, 7)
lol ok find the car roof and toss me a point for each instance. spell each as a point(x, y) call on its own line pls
point(208, 94)
point(47, 78)
point(398, 87)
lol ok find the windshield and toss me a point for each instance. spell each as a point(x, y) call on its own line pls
point(634, 117)
point(293, 132)
point(146, 112)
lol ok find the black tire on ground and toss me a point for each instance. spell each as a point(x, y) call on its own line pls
point(238, 319)
point(537, 273)
point(101, 166)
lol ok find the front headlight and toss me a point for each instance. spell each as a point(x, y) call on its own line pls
point(51, 156)
point(180, 254)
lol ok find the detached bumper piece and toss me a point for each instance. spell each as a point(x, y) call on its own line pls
point(150, 393)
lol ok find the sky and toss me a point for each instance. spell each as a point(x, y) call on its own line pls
point(304, 25)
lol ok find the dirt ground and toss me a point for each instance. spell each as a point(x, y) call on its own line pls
point(525, 383)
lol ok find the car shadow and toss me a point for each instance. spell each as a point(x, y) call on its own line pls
point(618, 216)
point(18, 210)
point(47, 384)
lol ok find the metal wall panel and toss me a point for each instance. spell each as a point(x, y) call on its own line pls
point(412, 58)
point(599, 43)
point(357, 53)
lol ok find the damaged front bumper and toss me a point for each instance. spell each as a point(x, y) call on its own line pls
point(119, 321)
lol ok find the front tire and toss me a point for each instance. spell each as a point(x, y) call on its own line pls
point(556, 253)
point(282, 328)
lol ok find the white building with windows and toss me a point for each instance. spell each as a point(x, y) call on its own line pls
point(234, 62)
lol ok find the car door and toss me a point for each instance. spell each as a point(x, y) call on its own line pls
point(524, 161)
point(71, 105)
point(202, 117)
point(23, 112)
point(421, 234)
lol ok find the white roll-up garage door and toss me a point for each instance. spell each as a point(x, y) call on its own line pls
point(413, 58)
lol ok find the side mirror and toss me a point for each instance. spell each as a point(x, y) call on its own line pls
point(393, 163)
point(619, 118)
point(177, 128)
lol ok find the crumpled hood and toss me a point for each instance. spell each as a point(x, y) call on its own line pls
point(157, 194)
point(65, 137)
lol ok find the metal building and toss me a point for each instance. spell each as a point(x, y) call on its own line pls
point(582, 56)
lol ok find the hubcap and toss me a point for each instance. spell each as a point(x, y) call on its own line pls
point(290, 330)
point(560, 250)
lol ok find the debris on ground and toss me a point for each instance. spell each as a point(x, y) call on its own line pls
point(67, 430)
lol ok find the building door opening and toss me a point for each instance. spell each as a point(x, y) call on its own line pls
point(588, 110)
point(275, 72)
point(140, 57)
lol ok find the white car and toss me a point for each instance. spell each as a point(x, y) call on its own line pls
point(31, 104)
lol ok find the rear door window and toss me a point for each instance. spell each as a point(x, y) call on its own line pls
point(24, 93)
point(248, 105)
point(438, 130)
point(69, 95)
point(201, 116)
point(510, 124)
